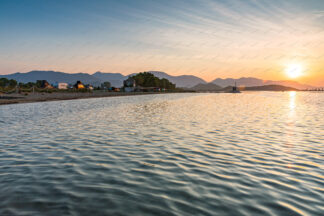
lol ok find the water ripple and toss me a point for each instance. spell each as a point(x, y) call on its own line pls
point(177, 154)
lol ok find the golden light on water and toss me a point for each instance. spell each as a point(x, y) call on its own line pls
point(294, 70)
point(292, 104)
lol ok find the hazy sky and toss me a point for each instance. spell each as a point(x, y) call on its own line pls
point(206, 38)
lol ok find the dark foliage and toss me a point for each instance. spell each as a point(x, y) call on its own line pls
point(146, 79)
point(6, 83)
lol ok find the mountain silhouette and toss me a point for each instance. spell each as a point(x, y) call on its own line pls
point(206, 87)
point(53, 77)
point(116, 79)
point(252, 82)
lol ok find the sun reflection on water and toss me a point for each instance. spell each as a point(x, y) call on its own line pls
point(290, 128)
point(292, 100)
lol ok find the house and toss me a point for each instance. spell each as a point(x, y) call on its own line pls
point(129, 84)
point(89, 87)
point(62, 86)
point(79, 85)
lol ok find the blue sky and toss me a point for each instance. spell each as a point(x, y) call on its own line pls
point(203, 37)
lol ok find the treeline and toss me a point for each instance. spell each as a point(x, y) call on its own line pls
point(146, 79)
point(37, 84)
point(6, 83)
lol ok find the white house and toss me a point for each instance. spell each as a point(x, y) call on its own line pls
point(62, 86)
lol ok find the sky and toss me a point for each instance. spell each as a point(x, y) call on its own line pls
point(206, 38)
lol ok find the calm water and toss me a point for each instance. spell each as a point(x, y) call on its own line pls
point(174, 154)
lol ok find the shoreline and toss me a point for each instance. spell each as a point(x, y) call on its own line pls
point(58, 96)
point(7, 99)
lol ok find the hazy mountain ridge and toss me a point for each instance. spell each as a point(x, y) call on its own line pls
point(116, 79)
point(214, 87)
point(289, 83)
point(206, 87)
point(53, 77)
point(269, 88)
point(244, 81)
point(253, 82)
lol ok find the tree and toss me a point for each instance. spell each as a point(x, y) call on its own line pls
point(26, 85)
point(4, 82)
point(146, 79)
point(12, 83)
point(106, 85)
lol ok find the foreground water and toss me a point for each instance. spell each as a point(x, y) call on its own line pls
point(174, 154)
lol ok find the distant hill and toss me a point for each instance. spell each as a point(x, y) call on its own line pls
point(269, 88)
point(115, 79)
point(262, 88)
point(251, 82)
point(289, 83)
point(53, 77)
point(206, 87)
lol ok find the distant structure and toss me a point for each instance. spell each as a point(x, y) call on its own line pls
point(129, 84)
point(79, 85)
point(235, 89)
point(315, 89)
point(61, 85)
point(89, 87)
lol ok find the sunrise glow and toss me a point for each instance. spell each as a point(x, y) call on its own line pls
point(294, 70)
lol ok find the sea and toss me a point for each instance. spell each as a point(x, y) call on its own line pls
point(254, 153)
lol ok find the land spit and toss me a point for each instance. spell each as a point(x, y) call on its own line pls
point(40, 97)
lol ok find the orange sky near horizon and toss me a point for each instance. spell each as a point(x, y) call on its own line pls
point(312, 74)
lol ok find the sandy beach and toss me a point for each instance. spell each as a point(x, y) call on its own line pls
point(40, 97)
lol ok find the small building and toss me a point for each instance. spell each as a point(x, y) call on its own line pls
point(129, 84)
point(79, 85)
point(62, 85)
point(89, 87)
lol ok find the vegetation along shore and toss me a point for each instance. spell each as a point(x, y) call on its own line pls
point(143, 83)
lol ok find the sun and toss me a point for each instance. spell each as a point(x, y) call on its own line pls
point(294, 70)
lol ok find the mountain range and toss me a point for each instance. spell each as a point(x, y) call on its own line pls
point(250, 82)
point(53, 77)
point(261, 88)
point(206, 87)
point(116, 79)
